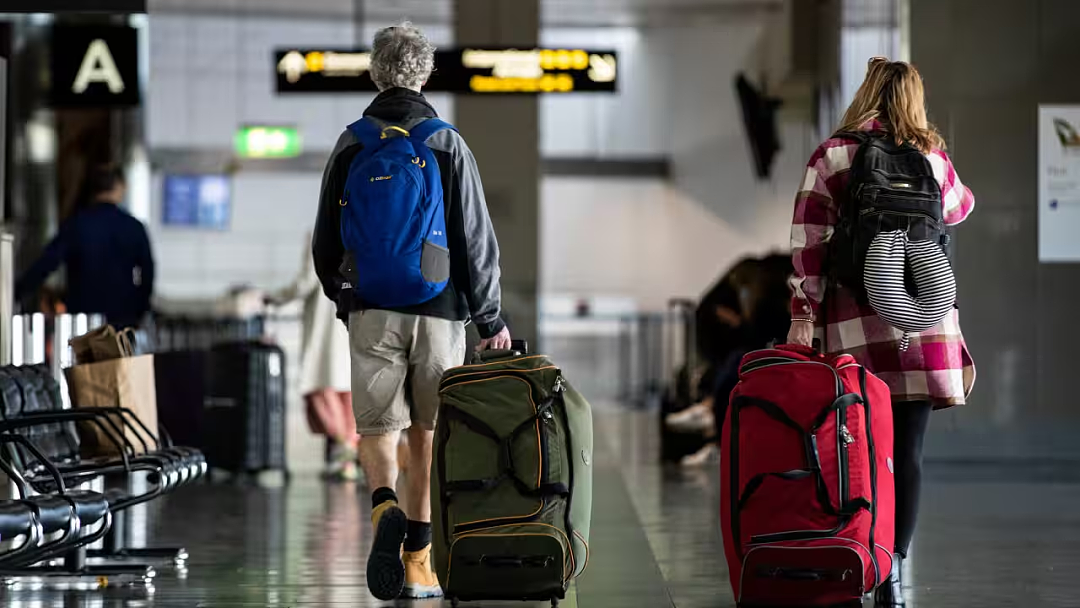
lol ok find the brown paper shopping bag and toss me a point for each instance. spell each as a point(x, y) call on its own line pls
point(126, 382)
point(102, 344)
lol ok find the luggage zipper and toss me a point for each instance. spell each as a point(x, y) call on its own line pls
point(499, 522)
point(868, 211)
point(766, 362)
point(754, 366)
point(795, 535)
point(843, 440)
point(474, 376)
point(559, 393)
point(873, 472)
point(546, 431)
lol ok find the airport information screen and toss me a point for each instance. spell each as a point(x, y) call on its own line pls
point(196, 201)
point(462, 71)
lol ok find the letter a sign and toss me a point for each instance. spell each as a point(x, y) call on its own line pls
point(98, 66)
point(95, 66)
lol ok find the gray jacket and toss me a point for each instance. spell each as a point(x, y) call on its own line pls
point(474, 291)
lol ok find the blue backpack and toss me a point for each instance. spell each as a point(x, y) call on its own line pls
point(393, 220)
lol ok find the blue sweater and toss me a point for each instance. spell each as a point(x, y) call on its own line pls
point(110, 269)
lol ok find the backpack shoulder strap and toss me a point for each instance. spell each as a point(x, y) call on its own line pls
point(426, 128)
point(368, 131)
point(861, 136)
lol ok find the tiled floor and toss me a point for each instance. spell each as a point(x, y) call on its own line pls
point(992, 536)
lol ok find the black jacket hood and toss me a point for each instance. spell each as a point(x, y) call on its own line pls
point(399, 105)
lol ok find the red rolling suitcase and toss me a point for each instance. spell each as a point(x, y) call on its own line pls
point(807, 495)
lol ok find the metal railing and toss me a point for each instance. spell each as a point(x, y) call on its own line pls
point(631, 359)
point(7, 280)
point(39, 338)
point(175, 333)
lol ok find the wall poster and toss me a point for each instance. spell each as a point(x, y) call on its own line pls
point(1059, 183)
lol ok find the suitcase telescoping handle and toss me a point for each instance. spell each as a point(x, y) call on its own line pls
point(517, 348)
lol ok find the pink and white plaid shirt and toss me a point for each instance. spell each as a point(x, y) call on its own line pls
point(936, 367)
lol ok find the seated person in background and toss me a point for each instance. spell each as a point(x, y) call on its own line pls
point(110, 269)
point(760, 316)
point(718, 322)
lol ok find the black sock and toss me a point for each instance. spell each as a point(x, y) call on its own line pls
point(382, 495)
point(418, 536)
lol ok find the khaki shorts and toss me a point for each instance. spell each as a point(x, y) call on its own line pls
point(397, 363)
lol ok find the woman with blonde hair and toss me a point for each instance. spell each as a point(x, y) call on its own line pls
point(926, 369)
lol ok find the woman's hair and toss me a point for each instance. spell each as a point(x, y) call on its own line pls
point(401, 57)
point(893, 94)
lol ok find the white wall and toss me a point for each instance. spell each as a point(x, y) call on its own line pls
point(651, 240)
point(639, 238)
point(271, 214)
point(710, 150)
point(629, 124)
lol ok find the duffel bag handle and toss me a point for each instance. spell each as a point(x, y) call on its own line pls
point(837, 360)
point(517, 348)
point(808, 351)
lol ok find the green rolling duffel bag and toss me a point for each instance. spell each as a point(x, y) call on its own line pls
point(511, 480)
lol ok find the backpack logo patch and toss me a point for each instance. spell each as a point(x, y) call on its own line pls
point(382, 178)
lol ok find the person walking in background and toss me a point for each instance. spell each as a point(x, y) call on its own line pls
point(106, 252)
point(925, 371)
point(324, 369)
point(405, 246)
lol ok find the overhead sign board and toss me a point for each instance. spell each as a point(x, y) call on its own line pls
point(267, 142)
point(95, 66)
point(463, 71)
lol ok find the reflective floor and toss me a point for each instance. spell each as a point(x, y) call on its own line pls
point(990, 536)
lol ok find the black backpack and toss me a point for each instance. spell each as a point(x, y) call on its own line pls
point(892, 187)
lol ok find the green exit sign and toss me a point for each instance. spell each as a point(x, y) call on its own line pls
point(268, 142)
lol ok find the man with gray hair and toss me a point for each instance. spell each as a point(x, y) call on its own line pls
point(404, 245)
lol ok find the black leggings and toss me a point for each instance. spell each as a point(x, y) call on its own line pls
point(910, 421)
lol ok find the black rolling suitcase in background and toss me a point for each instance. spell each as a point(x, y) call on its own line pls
point(245, 408)
point(181, 381)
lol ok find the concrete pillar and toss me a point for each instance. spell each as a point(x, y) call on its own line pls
point(503, 132)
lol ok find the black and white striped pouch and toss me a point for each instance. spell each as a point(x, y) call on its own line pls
point(883, 277)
